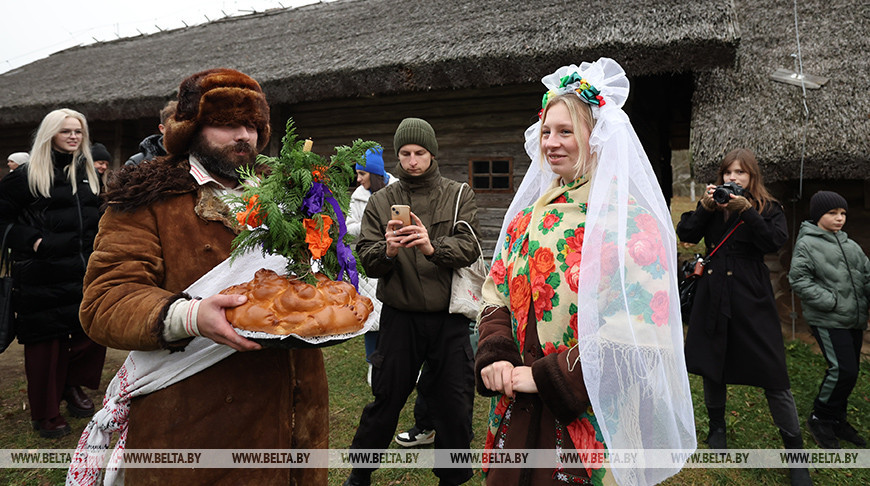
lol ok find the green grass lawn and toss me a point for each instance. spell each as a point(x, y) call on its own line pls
point(749, 422)
point(750, 425)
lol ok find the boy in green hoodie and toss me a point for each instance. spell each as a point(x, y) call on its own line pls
point(831, 275)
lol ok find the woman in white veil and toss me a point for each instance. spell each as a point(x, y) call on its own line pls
point(581, 337)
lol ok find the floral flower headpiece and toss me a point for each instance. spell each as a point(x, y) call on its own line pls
point(576, 83)
point(298, 209)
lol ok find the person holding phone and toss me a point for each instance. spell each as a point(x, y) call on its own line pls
point(414, 266)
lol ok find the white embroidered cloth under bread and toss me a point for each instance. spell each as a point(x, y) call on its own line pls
point(635, 374)
point(145, 372)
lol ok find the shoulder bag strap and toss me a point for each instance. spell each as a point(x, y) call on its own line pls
point(4, 256)
point(456, 210)
point(733, 229)
point(456, 219)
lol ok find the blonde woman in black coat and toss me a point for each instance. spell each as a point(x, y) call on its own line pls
point(52, 206)
point(734, 333)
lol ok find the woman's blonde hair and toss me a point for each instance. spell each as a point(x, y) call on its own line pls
point(581, 114)
point(40, 173)
point(760, 196)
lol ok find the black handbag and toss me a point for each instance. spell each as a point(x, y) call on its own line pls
point(688, 284)
point(7, 319)
point(690, 272)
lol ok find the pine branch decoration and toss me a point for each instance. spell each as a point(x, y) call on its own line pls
point(298, 209)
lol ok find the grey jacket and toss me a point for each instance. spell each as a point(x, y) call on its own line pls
point(411, 281)
point(831, 275)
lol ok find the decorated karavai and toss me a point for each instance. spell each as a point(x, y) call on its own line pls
point(297, 209)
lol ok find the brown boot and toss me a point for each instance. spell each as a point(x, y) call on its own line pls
point(78, 404)
point(51, 428)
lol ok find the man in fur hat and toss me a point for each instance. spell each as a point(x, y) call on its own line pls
point(165, 226)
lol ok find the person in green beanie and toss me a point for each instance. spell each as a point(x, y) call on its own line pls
point(414, 266)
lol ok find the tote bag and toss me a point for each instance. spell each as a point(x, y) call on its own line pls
point(465, 288)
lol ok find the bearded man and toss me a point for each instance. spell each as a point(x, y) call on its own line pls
point(165, 227)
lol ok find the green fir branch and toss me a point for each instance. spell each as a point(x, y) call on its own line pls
point(280, 191)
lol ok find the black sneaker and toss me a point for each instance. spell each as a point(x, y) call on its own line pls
point(823, 432)
point(716, 439)
point(844, 430)
point(415, 437)
point(357, 478)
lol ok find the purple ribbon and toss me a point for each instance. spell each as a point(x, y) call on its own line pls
point(313, 204)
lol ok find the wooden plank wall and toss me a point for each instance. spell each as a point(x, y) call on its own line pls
point(477, 123)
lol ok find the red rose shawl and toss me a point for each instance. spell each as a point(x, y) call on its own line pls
point(629, 333)
point(538, 266)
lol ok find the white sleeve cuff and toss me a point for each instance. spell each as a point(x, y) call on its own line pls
point(180, 322)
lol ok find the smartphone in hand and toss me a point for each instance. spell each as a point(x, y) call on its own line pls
point(401, 212)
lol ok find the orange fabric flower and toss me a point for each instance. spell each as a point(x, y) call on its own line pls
point(251, 216)
point(318, 240)
point(319, 173)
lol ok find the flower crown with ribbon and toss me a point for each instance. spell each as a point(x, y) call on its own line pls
point(574, 82)
point(298, 209)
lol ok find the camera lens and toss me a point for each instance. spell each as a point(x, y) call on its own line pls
point(722, 195)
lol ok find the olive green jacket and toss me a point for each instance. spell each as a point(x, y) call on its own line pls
point(411, 281)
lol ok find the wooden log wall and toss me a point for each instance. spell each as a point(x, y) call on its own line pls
point(480, 123)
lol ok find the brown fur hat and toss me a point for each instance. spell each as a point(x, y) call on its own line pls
point(216, 97)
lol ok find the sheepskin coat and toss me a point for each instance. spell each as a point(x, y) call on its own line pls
point(159, 234)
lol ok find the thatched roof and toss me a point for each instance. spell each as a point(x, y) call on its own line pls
point(743, 107)
point(352, 48)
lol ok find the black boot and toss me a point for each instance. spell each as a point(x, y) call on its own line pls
point(822, 431)
point(716, 438)
point(358, 477)
point(798, 476)
point(844, 430)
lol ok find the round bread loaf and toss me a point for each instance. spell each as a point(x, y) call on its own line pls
point(278, 305)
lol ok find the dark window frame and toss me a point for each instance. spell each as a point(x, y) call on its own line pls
point(473, 174)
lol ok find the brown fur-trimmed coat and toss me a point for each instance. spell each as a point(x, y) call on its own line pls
point(159, 234)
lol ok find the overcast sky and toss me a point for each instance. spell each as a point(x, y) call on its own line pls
point(34, 29)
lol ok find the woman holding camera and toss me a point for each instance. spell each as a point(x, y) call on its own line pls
point(734, 334)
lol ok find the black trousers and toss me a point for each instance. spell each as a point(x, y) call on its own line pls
point(406, 341)
point(842, 350)
point(421, 407)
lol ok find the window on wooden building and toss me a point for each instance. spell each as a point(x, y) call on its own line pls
point(492, 175)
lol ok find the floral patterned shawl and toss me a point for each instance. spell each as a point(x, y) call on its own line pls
point(538, 266)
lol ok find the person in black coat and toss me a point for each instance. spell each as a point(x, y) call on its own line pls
point(52, 204)
point(734, 333)
point(152, 146)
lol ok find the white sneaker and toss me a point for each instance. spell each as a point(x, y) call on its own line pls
point(415, 437)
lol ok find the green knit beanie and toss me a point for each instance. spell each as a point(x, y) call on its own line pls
point(416, 131)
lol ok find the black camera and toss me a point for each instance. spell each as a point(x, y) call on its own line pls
point(722, 194)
